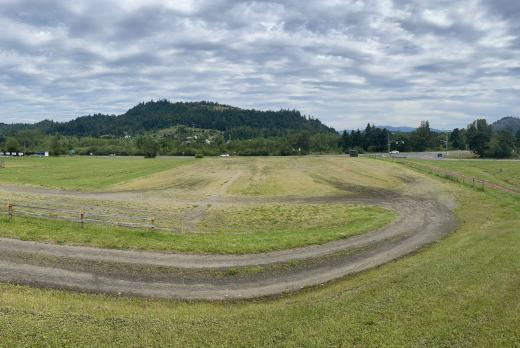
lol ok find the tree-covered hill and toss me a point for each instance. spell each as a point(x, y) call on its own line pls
point(152, 116)
point(205, 128)
point(510, 124)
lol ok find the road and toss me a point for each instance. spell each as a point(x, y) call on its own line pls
point(427, 155)
point(149, 274)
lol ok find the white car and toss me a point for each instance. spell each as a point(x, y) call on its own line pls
point(395, 152)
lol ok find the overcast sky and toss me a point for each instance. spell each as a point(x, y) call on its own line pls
point(344, 62)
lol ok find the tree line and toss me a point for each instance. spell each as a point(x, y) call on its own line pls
point(152, 144)
point(186, 140)
point(478, 137)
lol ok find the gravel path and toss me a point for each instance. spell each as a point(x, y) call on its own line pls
point(420, 222)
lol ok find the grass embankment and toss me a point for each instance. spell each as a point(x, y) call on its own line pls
point(462, 291)
point(82, 173)
point(504, 173)
point(234, 231)
point(274, 176)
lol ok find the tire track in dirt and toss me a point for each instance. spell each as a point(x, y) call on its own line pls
point(420, 222)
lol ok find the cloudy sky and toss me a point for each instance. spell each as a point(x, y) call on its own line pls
point(344, 62)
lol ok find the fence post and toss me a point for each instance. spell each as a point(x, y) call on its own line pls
point(82, 219)
point(473, 182)
point(10, 206)
point(152, 222)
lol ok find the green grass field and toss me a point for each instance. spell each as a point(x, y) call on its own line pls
point(462, 291)
point(505, 173)
point(251, 176)
point(236, 231)
point(81, 173)
point(184, 192)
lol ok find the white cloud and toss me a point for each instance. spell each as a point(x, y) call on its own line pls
point(345, 62)
point(437, 17)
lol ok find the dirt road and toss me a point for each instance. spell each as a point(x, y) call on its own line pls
point(420, 222)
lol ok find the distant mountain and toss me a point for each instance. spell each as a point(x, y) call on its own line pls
point(401, 129)
point(156, 115)
point(509, 123)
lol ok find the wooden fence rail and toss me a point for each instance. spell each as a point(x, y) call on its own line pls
point(80, 216)
point(456, 176)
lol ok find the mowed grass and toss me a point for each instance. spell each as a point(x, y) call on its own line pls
point(275, 176)
point(250, 176)
point(505, 173)
point(294, 218)
point(313, 176)
point(236, 231)
point(81, 172)
point(462, 291)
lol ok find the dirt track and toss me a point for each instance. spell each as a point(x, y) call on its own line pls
point(420, 222)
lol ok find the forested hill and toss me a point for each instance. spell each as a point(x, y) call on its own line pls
point(156, 115)
point(510, 124)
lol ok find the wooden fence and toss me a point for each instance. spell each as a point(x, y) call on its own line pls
point(13, 209)
point(458, 177)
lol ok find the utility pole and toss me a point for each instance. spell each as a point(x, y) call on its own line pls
point(388, 141)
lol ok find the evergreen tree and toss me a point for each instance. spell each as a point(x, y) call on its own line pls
point(478, 135)
point(382, 140)
point(356, 139)
point(501, 145)
point(368, 137)
point(457, 139)
point(422, 137)
point(345, 141)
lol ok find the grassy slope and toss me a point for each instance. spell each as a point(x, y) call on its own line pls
point(253, 230)
point(73, 172)
point(461, 291)
point(252, 176)
point(313, 175)
point(273, 176)
point(506, 173)
point(210, 176)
